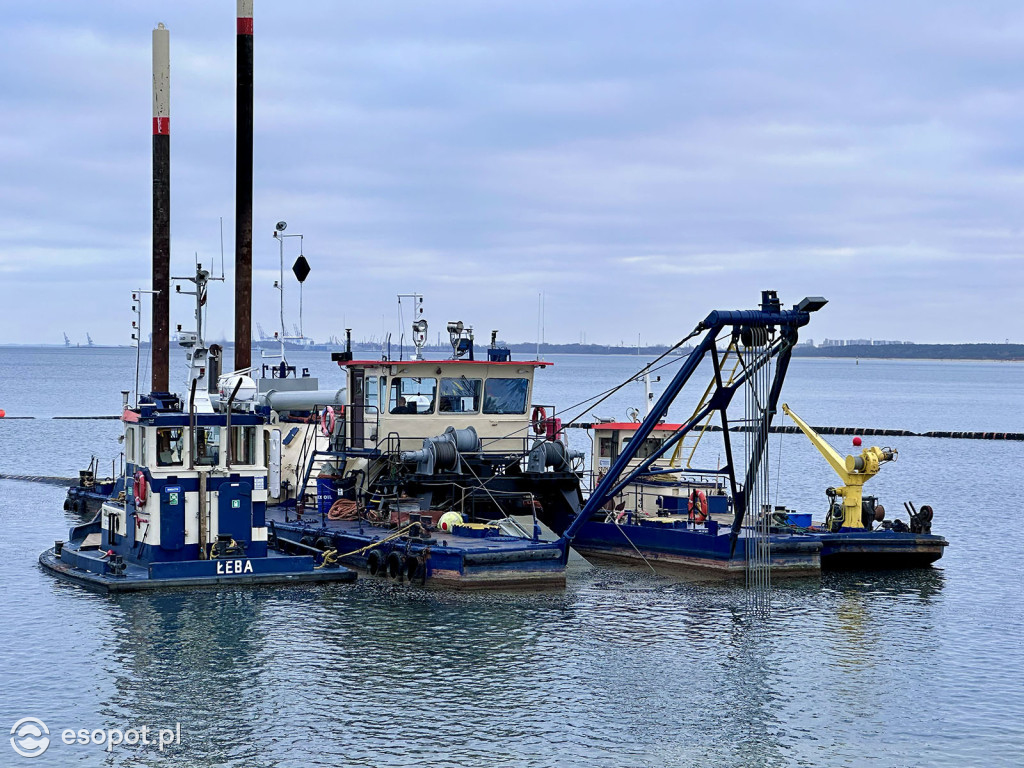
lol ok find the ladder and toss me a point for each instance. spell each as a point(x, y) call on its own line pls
point(687, 447)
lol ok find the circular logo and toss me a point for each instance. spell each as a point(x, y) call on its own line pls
point(30, 737)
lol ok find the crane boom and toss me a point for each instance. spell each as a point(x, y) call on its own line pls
point(854, 471)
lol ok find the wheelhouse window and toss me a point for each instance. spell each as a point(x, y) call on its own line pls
point(505, 395)
point(412, 395)
point(650, 445)
point(372, 393)
point(606, 448)
point(243, 445)
point(170, 446)
point(460, 395)
point(208, 446)
point(129, 445)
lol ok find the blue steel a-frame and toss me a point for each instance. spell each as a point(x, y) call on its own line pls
point(749, 327)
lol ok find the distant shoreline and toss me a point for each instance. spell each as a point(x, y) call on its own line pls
point(1009, 353)
point(1013, 353)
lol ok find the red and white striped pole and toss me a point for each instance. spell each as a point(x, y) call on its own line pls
point(160, 349)
point(243, 189)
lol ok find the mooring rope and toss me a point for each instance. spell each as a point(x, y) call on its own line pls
point(41, 479)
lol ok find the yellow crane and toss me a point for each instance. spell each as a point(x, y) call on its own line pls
point(854, 471)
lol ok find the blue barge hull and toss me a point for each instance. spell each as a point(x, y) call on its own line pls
point(694, 547)
point(851, 549)
point(442, 560)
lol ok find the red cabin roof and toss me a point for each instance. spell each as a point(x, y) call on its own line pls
point(632, 426)
point(364, 363)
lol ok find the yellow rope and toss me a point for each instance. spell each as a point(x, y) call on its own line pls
point(330, 558)
point(389, 537)
point(213, 555)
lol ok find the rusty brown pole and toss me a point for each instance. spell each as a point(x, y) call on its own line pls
point(160, 348)
point(243, 189)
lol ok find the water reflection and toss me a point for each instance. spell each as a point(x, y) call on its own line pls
point(190, 657)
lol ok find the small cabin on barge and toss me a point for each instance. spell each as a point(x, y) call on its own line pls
point(668, 491)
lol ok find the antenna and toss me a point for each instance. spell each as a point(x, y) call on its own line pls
point(279, 235)
point(539, 310)
point(417, 317)
point(137, 295)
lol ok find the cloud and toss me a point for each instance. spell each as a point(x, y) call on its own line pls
point(639, 163)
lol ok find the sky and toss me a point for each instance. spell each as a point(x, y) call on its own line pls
point(639, 163)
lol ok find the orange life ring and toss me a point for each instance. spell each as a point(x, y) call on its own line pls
point(139, 487)
point(327, 422)
point(698, 506)
point(540, 415)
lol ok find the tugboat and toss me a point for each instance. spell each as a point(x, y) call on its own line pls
point(646, 508)
point(194, 511)
point(435, 472)
point(849, 537)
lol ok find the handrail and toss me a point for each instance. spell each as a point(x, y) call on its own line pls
point(191, 427)
point(231, 400)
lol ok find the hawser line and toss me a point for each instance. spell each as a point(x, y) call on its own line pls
point(788, 430)
point(41, 479)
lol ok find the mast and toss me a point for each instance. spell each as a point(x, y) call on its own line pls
point(243, 189)
point(160, 349)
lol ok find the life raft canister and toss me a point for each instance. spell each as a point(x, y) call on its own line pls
point(698, 506)
point(139, 487)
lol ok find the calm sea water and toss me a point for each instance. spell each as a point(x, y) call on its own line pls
point(622, 668)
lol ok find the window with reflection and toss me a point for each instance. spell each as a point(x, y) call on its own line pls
point(650, 446)
point(460, 395)
point(170, 446)
point(243, 445)
point(371, 397)
point(505, 395)
point(207, 446)
point(410, 394)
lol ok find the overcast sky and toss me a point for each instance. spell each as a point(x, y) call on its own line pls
point(639, 162)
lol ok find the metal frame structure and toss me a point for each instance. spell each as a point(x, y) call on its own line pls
point(772, 327)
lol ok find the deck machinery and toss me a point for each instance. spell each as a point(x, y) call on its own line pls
point(855, 533)
point(434, 473)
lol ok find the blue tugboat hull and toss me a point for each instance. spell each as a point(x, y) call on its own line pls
point(90, 571)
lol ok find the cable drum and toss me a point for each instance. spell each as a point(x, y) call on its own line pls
point(446, 455)
point(551, 454)
point(465, 440)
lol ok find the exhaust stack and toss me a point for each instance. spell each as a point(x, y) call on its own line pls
point(160, 348)
point(243, 189)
